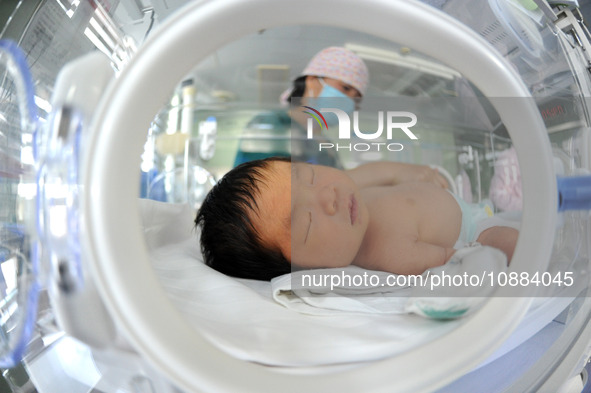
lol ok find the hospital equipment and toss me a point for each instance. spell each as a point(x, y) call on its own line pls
point(100, 290)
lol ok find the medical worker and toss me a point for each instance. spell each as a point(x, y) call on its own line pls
point(334, 77)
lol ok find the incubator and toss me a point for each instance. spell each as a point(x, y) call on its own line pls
point(118, 117)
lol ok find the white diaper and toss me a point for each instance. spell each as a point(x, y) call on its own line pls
point(478, 217)
point(473, 217)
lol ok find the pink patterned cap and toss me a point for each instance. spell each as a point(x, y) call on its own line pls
point(341, 64)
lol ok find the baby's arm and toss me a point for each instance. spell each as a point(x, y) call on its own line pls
point(389, 173)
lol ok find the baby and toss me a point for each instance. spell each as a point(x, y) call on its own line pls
point(268, 216)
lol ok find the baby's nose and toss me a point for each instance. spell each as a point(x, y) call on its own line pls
point(327, 197)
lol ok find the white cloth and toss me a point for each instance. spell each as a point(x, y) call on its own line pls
point(443, 292)
point(296, 292)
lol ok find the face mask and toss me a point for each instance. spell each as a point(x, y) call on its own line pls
point(331, 97)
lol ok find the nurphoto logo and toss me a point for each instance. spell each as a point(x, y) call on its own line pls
point(390, 121)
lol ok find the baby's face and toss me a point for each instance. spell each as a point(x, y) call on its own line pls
point(313, 214)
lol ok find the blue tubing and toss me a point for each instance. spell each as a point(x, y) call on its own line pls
point(574, 193)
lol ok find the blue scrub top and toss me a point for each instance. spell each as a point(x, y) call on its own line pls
point(286, 139)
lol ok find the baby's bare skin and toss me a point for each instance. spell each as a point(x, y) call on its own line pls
point(503, 238)
point(320, 217)
point(412, 227)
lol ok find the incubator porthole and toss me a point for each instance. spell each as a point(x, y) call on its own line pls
point(199, 136)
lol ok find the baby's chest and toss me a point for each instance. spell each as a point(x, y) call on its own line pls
point(393, 215)
point(413, 215)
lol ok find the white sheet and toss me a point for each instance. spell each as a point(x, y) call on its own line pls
point(432, 294)
point(241, 317)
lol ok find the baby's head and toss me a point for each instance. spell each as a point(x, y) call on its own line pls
point(267, 216)
point(230, 241)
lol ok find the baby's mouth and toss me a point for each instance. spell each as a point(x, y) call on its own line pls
point(353, 209)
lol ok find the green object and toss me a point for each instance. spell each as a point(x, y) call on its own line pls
point(443, 314)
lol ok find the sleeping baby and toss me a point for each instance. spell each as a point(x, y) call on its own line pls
point(267, 217)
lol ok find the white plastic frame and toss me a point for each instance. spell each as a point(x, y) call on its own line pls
point(119, 256)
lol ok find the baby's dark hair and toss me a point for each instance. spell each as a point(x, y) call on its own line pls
point(229, 242)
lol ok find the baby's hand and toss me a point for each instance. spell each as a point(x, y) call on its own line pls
point(389, 173)
point(422, 173)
